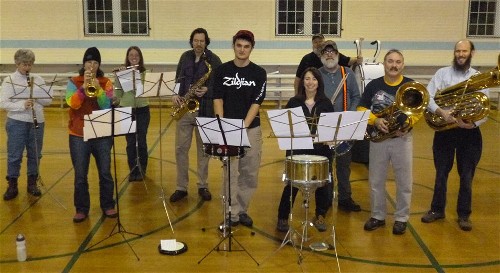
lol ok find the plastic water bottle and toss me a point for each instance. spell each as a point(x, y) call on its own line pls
point(21, 248)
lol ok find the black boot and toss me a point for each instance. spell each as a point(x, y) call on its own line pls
point(32, 186)
point(11, 192)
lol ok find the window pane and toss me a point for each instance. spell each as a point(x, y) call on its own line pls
point(321, 15)
point(482, 18)
point(101, 15)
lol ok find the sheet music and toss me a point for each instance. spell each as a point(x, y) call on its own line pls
point(352, 126)
point(98, 124)
point(301, 138)
point(125, 77)
point(158, 84)
point(234, 130)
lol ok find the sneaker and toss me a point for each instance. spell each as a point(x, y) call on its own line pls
point(282, 225)
point(319, 223)
point(432, 216)
point(349, 205)
point(373, 224)
point(205, 194)
point(464, 224)
point(111, 213)
point(399, 228)
point(246, 220)
point(79, 217)
point(178, 195)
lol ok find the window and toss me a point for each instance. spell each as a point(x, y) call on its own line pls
point(307, 17)
point(116, 17)
point(484, 18)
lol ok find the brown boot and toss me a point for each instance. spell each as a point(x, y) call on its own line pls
point(11, 192)
point(32, 186)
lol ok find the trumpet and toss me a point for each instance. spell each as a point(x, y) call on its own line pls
point(90, 89)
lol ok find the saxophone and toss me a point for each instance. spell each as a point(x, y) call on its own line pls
point(189, 102)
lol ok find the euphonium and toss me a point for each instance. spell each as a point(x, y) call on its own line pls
point(90, 89)
point(466, 104)
point(411, 99)
point(189, 102)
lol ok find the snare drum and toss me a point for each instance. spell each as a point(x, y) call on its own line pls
point(307, 171)
point(215, 150)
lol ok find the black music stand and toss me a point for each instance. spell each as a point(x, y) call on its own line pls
point(289, 125)
point(131, 81)
point(228, 133)
point(155, 85)
point(102, 124)
point(337, 128)
point(28, 91)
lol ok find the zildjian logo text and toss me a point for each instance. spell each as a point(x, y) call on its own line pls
point(236, 81)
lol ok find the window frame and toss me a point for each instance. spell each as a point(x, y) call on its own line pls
point(117, 23)
point(309, 26)
point(479, 19)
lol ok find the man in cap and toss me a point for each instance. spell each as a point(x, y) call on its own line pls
point(314, 58)
point(344, 98)
point(239, 88)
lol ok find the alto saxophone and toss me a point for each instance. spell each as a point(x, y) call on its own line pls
point(189, 102)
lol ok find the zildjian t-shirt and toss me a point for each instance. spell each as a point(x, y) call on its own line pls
point(239, 88)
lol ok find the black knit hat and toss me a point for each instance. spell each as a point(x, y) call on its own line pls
point(92, 54)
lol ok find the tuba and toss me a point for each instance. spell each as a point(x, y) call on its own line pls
point(411, 99)
point(467, 104)
point(90, 89)
point(189, 102)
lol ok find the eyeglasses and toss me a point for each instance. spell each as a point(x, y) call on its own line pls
point(329, 52)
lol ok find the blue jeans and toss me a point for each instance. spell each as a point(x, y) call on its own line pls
point(80, 152)
point(21, 135)
point(142, 117)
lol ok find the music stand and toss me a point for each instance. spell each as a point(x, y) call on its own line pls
point(155, 85)
point(337, 127)
point(130, 80)
point(36, 91)
point(228, 133)
point(110, 123)
point(291, 129)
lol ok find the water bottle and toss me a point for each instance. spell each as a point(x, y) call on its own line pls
point(21, 248)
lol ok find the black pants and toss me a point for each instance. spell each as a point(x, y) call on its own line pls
point(467, 145)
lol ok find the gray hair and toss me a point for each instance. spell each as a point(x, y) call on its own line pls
point(24, 56)
point(393, 51)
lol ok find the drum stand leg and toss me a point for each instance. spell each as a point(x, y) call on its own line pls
point(306, 223)
point(290, 235)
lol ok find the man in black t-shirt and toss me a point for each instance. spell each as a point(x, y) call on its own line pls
point(396, 151)
point(314, 59)
point(239, 88)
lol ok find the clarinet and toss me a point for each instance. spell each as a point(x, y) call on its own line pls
point(30, 85)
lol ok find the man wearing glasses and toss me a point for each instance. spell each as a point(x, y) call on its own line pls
point(344, 98)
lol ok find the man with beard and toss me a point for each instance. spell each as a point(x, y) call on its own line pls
point(313, 59)
point(239, 88)
point(191, 68)
point(344, 98)
point(397, 151)
point(464, 141)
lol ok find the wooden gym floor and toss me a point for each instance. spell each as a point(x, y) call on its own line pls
point(56, 244)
